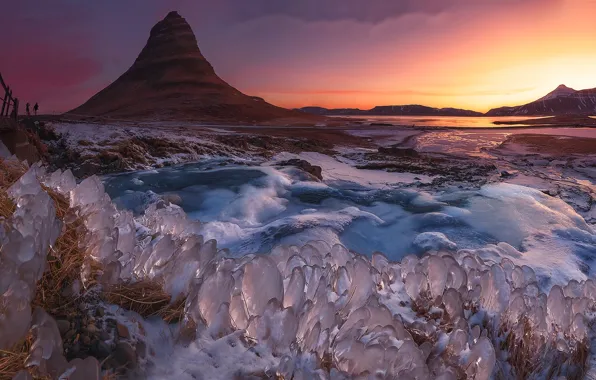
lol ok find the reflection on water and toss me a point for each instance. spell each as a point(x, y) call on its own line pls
point(447, 121)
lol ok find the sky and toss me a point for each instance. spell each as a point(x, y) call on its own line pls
point(473, 54)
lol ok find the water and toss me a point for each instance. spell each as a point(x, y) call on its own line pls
point(448, 121)
point(251, 209)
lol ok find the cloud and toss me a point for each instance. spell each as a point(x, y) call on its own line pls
point(398, 92)
point(366, 11)
point(49, 53)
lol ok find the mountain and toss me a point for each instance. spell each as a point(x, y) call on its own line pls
point(562, 101)
point(172, 80)
point(407, 110)
point(336, 111)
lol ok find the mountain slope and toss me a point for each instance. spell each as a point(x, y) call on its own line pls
point(406, 110)
point(172, 80)
point(562, 101)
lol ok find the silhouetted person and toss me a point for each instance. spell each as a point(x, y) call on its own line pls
point(27, 109)
point(35, 108)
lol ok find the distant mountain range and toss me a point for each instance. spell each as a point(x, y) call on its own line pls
point(562, 101)
point(407, 110)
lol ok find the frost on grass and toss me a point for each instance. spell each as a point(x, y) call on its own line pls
point(316, 311)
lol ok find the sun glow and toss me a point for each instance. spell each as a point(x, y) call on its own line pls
point(470, 60)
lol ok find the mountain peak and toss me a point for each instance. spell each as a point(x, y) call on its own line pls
point(173, 14)
point(560, 91)
point(171, 79)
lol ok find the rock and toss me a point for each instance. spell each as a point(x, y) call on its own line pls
point(63, 326)
point(172, 198)
point(125, 355)
point(86, 169)
point(91, 329)
point(86, 340)
point(103, 335)
point(69, 334)
point(122, 331)
point(74, 350)
point(99, 312)
point(304, 165)
point(99, 349)
point(399, 152)
point(141, 349)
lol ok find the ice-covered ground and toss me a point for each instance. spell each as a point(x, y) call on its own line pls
point(495, 283)
point(482, 279)
point(252, 209)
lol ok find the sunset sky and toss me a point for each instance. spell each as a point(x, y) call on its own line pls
point(474, 54)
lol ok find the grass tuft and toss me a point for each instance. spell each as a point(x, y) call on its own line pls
point(12, 361)
point(146, 298)
point(10, 172)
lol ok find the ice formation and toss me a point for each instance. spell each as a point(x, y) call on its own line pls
point(316, 311)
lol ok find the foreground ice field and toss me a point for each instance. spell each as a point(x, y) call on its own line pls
point(500, 286)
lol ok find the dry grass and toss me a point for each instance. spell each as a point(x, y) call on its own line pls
point(10, 172)
point(34, 140)
point(529, 353)
point(65, 258)
point(146, 298)
point(64, 266)
point(13, 360)
point(65, 261)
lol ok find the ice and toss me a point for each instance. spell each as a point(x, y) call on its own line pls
point(437, 276)
point(28, 235)
point(294, 292)
point(319, 309)
point(559, 308)
point(262, 282)
point(433, 241)
point(495, 290)
point(215, 290)
point(481, 360)
point(453, 303)
point(415, 284)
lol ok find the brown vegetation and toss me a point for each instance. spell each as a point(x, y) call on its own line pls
point(13, 360)
point(65, 260)
point(146, 298)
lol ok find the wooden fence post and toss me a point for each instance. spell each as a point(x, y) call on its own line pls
point(16, 109)
point(6, 103)
point(9, 100)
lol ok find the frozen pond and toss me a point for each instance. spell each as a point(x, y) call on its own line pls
point(250, 209)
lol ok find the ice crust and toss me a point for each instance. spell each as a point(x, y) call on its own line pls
point(311, 311)
point(25, 238)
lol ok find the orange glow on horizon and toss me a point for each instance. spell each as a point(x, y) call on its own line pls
point(472, 60)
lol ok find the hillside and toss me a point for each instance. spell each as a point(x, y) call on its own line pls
point(562, 101)
point(172, 80)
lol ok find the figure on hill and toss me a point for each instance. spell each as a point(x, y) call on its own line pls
point(35, 108)
point(27, 109)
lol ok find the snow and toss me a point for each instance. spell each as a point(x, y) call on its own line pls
point(335, 172)
point(274, 284)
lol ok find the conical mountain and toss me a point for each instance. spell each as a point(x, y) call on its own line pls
point(560, 91)
point(172, 80)
point(562, 100)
